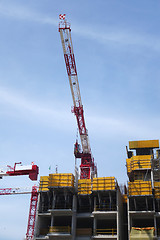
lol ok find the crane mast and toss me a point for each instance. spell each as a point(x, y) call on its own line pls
point(31, 170)
point(88, 168)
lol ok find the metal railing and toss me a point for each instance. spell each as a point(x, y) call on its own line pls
point(106, 207)
point(60, 229)
point(107, 231)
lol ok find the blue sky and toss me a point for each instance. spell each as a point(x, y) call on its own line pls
point(117, 51)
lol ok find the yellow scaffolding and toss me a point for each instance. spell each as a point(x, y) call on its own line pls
point(60, 229)
point(138, 188)
point(106, 231)
point(157, 190)
point(104, 183)
point(144, 144)
point(61, 180)
point(138, 163)
point(43, 186)
point(84, 186)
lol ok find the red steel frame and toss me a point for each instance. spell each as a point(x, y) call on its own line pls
point(33, 173)
point(32, 214)
point(33, 207)
point(87, 167)
point(10, 191)
point(6, 191)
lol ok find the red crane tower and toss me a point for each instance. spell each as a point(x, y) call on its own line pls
point(33, 206)
point(31, 170)
point(88, 168)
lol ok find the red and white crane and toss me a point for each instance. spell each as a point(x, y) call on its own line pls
point(88, 168)
point(33, 206)
point(32, 170)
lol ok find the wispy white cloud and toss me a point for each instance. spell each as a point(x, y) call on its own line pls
point(36, 110)
point(119, 36)
point(99, 124)
point(132, 127)
point(108, 36)
point(23, 13)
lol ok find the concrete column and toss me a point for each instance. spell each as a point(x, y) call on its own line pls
point(54, 200)
point(119, 214)
point(52, 220)
point(37, 222)
point(73, 226)
point(155, 225)
point(94, 204)
point(129, 220)
point(94, 226)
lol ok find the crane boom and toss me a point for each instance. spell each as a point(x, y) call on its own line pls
point(12, 191)
point(32, 170)
point(87, 163)
point(65, 33)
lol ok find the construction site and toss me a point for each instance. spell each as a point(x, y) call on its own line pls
point(70, 208)
point(83, 206)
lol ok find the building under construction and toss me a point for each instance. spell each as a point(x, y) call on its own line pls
point(68, 212)
point(83, 209)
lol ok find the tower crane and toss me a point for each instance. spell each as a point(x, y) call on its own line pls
point(88, 168)
point(33, 205)
point(31, 170)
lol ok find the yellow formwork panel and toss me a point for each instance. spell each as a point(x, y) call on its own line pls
point(104, 183)
point(84, 186)
point(144, 144)
point(157, 189)
point(138, 188)
point(43, 186)
point(128, 164)
point(142, 157)
point(138, 162)
point(60, 229)
point(141, 162)
point(61, 180)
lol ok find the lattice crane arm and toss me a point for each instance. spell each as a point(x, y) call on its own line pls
point(88, 168)
point(32, 170)
point(65, 33)
point(17, 190)
point(33, 206)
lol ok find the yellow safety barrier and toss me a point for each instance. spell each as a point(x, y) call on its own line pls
point(138, 188)
point(157, 190)
point(107, 231)
point(60, 229)
point(43, 186)
point(142, 233)
point(84, 186)
point(144, 144)
point(61, 180)
point(141, 162)
point(128, 164)
point(104, 183)
point(138, 162)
